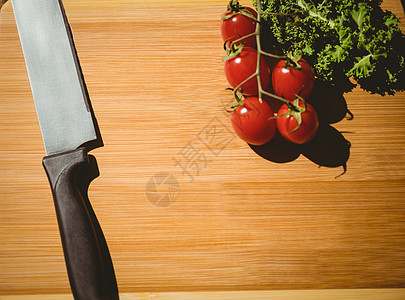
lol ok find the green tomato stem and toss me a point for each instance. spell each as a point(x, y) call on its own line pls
point(272, 55)
point(260, 52)
point(244, 37)
point(236, 89)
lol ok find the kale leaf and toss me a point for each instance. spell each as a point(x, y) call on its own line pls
point(342, 39)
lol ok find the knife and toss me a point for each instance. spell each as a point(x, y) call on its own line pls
point(69, 131)
point(2, 2)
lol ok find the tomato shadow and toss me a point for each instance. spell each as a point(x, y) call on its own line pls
point(329, 103)
point(278, 150)
point(329, 148)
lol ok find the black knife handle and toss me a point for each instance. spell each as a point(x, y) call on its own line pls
point(89, 265)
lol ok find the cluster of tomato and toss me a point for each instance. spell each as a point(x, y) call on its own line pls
point(292, 81)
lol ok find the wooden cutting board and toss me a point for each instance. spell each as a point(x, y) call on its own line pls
point(184, 204)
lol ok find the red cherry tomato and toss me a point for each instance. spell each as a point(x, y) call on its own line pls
point(235, 25)
point(286, 125)
point(243, 65)
point(289, 80)
point(253, 121)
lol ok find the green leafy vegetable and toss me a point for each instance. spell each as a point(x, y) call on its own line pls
point(341, 39)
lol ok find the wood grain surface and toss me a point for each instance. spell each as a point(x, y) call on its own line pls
point(330, 294)
point(224, 217)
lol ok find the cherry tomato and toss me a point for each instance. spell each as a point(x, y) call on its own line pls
point(286, 125)
point(235, 25)
point(289, 80)
point(243, 65)
point(253, 121)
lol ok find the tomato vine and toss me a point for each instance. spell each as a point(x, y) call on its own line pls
point(249, 74)
point(234, 49)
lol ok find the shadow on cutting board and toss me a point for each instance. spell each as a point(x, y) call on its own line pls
point(329, 148)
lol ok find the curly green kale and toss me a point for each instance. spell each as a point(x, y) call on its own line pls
point(342, 39)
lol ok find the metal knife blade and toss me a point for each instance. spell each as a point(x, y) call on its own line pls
point(60, 95)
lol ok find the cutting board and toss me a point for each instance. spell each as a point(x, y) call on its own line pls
point(185, 205)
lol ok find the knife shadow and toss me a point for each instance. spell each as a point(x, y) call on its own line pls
point(329, 148)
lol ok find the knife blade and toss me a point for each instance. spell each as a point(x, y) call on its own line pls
point(69, 130)
point(60, 97)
